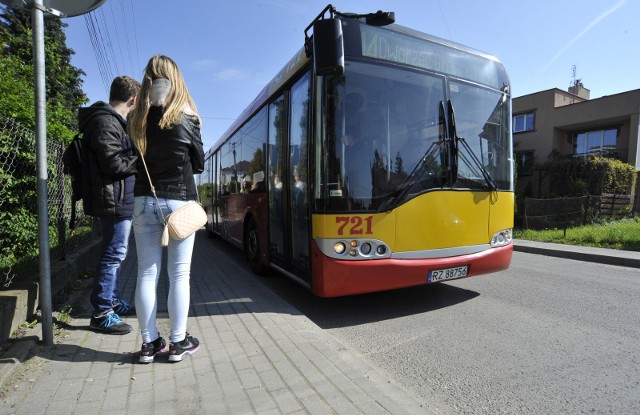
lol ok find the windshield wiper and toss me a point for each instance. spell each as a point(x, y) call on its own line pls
point(452, 148)
point(454, 135)
point(424, 164)
point(416, 174)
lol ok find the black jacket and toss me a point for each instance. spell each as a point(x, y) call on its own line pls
point(173, 156)
point(109, 162)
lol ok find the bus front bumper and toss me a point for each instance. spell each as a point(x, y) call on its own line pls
point(334, 278)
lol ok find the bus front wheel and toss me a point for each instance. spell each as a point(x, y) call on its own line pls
point(252, 248)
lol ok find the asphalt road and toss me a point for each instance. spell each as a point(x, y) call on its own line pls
point(547, 336)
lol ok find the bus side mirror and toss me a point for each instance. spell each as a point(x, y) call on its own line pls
point(328, 47)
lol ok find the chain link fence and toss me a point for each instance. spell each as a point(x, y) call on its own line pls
point(564, 212)
point(18, 206)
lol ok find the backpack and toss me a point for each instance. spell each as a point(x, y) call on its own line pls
point(72, 166)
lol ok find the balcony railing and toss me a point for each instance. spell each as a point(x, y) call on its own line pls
point(618, 154)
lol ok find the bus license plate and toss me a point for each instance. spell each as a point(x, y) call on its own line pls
point(447, 274)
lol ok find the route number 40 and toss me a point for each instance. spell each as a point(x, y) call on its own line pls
point(355, 225)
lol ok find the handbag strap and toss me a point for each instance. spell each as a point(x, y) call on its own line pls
point(153, 189)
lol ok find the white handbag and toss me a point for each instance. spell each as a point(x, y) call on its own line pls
point(183, 221)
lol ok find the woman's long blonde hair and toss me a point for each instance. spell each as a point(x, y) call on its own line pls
point(178, 100)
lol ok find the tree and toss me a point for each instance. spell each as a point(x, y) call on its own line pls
point(18, 218)
point(16, 91)
point(257, 163)
point(64, 92)
point(399, 165)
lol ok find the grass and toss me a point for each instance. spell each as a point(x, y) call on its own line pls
point(61, 320)
point(64, 316)
point(622, 234)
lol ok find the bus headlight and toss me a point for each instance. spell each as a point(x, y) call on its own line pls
point(502, 238)
point(354, 249)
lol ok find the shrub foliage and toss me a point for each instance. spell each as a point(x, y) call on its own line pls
point(18, 198)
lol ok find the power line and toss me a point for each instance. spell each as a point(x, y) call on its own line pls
point(97, 50)
point(135, 34)
point(109, 42)
point(101, 41)
point(102, 47)
point(444, 19)
point(126, 29)
point(113, 19)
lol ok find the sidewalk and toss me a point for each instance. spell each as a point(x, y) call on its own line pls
point(259, 355)
point(580, 253)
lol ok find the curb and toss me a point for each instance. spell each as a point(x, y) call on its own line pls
point(581, 253)
point(19, 305)
point(14, 356)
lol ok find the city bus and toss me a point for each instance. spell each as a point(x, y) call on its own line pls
point(378, 158)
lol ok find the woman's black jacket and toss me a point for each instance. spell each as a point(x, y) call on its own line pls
point(173, 156)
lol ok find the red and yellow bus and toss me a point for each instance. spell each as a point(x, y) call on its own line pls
point(379, 157)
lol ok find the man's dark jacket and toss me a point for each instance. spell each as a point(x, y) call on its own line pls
point(109, 160)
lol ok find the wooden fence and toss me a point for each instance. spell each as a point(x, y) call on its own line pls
point(576, 211)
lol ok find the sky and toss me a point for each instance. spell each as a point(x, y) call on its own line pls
point(229, 50)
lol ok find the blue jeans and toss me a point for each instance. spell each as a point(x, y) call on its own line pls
point(115, 241)
point(148, 227)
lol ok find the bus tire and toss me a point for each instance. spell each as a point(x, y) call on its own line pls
point(252, 248)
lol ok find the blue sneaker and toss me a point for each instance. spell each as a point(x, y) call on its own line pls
point(110, 323)
point(123, 308)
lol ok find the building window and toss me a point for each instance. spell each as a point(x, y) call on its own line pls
point(523, 122)
point(597, 142)
point(524, 163)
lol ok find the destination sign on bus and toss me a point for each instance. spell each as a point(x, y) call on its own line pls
point(391, 46)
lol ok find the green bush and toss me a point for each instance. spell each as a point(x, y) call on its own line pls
point(570, 176)
point(18, 191)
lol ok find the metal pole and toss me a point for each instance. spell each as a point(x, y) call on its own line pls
point(37, 17)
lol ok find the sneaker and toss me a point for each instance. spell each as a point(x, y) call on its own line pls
point(110, 323)
point(123, 308)
point(186, 347)
point(151, 350)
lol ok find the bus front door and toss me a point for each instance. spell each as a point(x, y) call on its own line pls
point(288, 179)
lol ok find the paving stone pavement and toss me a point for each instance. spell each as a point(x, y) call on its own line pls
point(259, 355)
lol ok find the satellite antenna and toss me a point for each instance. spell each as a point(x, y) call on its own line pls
point(60, 8)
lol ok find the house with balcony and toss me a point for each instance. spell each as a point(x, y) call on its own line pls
point(569, 123)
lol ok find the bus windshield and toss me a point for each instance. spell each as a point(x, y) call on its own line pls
point(385, 140)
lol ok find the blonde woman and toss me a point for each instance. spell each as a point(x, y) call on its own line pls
point(165, 128)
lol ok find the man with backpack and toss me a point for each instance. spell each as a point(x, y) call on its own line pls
point(108, 177)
